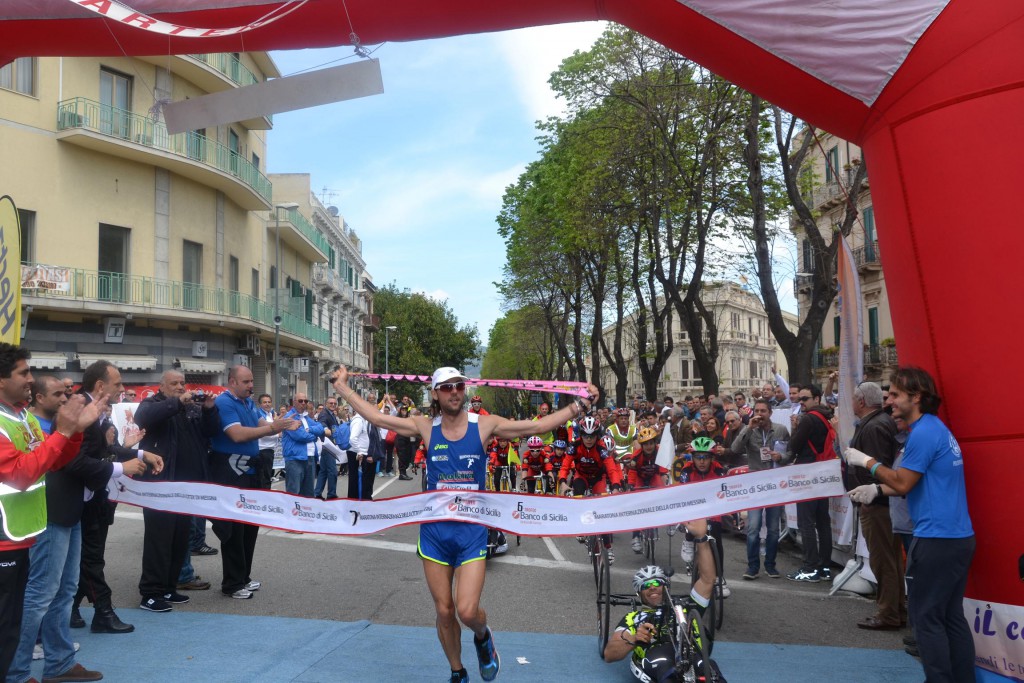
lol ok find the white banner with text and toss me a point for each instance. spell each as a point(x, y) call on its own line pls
point(522, 514)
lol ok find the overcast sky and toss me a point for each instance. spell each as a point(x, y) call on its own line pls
point(419, 172)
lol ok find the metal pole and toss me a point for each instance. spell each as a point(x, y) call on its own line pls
point(277, 312)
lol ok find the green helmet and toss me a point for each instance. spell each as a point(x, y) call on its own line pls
point(703, 444)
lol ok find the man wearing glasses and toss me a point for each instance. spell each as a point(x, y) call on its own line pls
point(455, 444)
point(809, 435)
point(643, 632)
point(299, 447)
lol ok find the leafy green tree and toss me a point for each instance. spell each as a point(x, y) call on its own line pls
point(428, 336)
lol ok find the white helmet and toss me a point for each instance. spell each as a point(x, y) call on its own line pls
point(645, 574)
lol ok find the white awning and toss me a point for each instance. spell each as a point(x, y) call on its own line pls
point(121, 362)
point(48, 360)
point(200, 367)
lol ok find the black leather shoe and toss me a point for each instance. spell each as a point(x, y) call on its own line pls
point(76, 618)
point(107, 622)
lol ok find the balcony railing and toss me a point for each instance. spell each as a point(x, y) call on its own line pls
point(230, 66)
point(306, 228)
point(142, 130)
point(802, 282)
point(325, 277)
point(867, 255)
point(874, 354)
point(834, 190)
point(136, 290)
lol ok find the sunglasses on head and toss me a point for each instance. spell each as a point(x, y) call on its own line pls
point(449, 387)
point(652, 583)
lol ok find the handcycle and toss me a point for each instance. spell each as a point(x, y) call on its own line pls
point(690, 643)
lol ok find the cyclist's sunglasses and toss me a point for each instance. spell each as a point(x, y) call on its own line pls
point(701, 456)
point(652, 583)
point(449, 387)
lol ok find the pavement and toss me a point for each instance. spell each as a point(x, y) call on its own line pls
point(203, 647)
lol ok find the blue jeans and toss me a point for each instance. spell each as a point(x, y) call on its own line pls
point(328, 475)
point(187, 573)
point(197, 537)
point(771, 543)
point(52, 583)
point(299, 477)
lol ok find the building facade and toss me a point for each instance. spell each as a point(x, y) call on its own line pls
point(831, 169)
point(144, 248)
point(747, 348)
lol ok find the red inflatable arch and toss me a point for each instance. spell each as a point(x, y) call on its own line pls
point(932, 90)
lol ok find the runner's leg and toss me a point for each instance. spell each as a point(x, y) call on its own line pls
point(469, 587)
point(439, 581)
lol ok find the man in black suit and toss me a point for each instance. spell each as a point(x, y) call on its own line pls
point(178, 426)
point(101, 380)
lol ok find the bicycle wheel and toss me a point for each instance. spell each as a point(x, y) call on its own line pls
point(593, 548)
point(700, 646)
point(650, 539)
point(604, 600)
point(719, 603)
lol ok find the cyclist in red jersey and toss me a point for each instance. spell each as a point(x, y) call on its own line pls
point(592, 463)
point(535, 462)
point(556, 455)
point(643, 472)
point(702, 467)
point(499, 457)
point(476, 405)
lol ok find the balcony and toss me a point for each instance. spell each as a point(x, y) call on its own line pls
point(867, 257)
point(214, 72)
point(372, 323)
point(324, 277)
point(74, 289)
point(300, 234)
point(803, 283)
point(121, 133)
point(875, 356)
point(832, 193)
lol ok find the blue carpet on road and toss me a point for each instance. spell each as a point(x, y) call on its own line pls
point(201, 648)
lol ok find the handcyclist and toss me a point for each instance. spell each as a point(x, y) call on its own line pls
point(499, 458)
point(702, 467)
point(593, 468)
point(451, 551)
point(624, 435)
point(535, 462)
point(644, 632)
point(643, 472)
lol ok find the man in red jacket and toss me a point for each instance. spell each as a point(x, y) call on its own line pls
point(26, 454)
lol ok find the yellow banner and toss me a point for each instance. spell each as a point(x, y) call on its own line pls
point(10, 272)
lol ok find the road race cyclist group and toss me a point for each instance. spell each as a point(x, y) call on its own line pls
point(570, 449)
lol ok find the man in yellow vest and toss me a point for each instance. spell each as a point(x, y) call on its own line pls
point(26, 454)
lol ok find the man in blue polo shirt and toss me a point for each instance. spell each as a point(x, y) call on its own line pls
point(235, 461)
point(931, 476)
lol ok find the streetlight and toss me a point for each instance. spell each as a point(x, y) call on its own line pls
point(277, 301)
point(387, 352)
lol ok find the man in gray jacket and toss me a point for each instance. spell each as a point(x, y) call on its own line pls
point(757, 442)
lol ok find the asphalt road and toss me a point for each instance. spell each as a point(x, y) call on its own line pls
point(544, 585)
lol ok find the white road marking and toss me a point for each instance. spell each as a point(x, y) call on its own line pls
point(554, 550)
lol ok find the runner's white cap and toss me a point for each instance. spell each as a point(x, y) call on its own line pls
point(442, 375)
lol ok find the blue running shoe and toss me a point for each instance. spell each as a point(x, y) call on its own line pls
point(487, 655)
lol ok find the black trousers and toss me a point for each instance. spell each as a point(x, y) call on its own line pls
point(13, 580)
point(404, 458)
point(92, 583)
point(936, 580)
point(164, 544)
point(389, 458)
point(369, 469)
point(815, 533)
point(237, 545)
point(265, 472)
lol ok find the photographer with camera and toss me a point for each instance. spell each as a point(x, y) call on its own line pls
point(178, 424)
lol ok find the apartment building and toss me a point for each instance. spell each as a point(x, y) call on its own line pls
point(145, 248)
point(830, 171)
point(747, 348)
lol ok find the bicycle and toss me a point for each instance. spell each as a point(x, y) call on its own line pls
point(649, 538)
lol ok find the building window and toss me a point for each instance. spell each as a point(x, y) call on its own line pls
point(836, 327)
point(737, 371)
point(272, 281)
point(191, 274)
point(116, 98)
point(734, 319)
point(870, 247)
point(255, 284)
point(233, 276)
point(234, 147)
point(28, 235)
point(112, 262)
point(808, 253)
point(684, 369)
point(255, 161)
point(832, 164)
point(696, 370)
point(873, 326)
point(19, 76)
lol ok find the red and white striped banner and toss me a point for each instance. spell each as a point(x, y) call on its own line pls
point(121, 13)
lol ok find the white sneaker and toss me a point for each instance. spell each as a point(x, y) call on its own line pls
point(725, 589)
point(686, 551)
point(242, 594)
point(253, 586)
point(637, 545)
point(611, 557)
point(501, 549)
